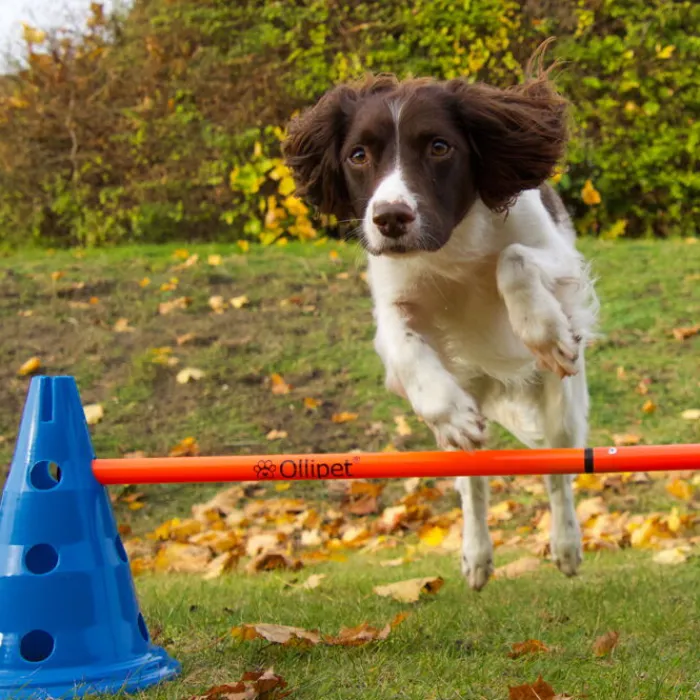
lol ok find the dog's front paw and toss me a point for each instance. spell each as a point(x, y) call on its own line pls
point(454, 418)
point(553, 343)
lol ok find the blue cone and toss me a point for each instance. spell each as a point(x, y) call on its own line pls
point(70, 623)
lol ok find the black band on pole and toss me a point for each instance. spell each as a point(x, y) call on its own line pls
point(588, 460)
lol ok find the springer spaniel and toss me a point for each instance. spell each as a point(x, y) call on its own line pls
point(482, 303)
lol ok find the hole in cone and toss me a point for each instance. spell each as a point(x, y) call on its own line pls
point(121, 552)
point(41, 559)
point(142, 628)
point(36, 646)
point(45, 475)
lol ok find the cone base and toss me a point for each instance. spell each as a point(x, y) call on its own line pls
point(152, 668)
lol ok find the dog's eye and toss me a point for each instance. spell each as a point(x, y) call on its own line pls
point(358, 156)
point(439, 148)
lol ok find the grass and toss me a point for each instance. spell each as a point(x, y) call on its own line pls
point(453, 645)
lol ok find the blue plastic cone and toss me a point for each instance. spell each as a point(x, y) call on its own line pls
point(69, 619)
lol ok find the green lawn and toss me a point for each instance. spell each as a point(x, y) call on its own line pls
point(308, 319)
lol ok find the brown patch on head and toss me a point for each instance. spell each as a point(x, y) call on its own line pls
point(518, 134)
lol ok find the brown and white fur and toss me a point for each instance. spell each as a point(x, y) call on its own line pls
point(482, 303)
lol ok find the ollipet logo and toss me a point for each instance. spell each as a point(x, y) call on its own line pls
point(303, 469)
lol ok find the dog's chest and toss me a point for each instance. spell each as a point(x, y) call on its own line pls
point(465, 320)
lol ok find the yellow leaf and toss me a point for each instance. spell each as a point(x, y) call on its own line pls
point(94, 413)
point(276, 435)
point(166, 307)
point(649, 406)
point(517, 568)
point(311, 403)
point(32, 35)
point(411, 590)
point(121, 325)
point(622, 439)
point(283, 487)
point(691, 414)
point(286, 186)
point(189, 374)
point(433, 536)
point(181, 254)
point(279, 386)
point(666, 52)
point(214, 260)
point(402, 426)
point(31, 366)
point(344, 417)
point(673, 556)
point(589, 194)
point(239, 302)
point(217, 304)
point(243, 245)
point(333, 255)
point(55, 276)
point(220, 565)
point(680, 489)
point(616, 230)
point(185, 448)
point(144, 282)
point(257, 149)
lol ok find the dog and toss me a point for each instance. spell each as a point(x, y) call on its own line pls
point(483, 305)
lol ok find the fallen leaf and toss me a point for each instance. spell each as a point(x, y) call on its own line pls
point(239, 302)
point(621, 373)
point(121, 325)
point(279, 386)
point(276, 435)
point(621, 439)
point(691, 414)
point(311, 403)
point(189, 374)
point(181, 254)
point(411, 590)
point(182, 558)
point(364, 633)
point(255, 685)
point(680, 489)
point(648, 407)
point(57, 275)
point(31, 366)
point(220, 565)
point(539, 690)
point(314, 581)
point(675, 555)
point(517, 568)
point(144, 282)
point(94, 413)
point(165, 307)
point(185, 448)
point(530, 646)
point(277, 634)
point(402, 427)
point(344, 417)
point(214, 260)
point(271, 561)
point(685, 333)
point(604, 644)
point(432, 536)
point(184, 339)
point(217, 304)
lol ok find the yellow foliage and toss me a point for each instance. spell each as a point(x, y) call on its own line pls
point(590, 194)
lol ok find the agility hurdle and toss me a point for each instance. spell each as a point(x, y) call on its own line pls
point(70, 623)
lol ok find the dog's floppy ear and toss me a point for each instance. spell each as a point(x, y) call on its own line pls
point(312, 151)
point(518, 135)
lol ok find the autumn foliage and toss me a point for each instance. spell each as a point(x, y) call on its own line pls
point(165, 123)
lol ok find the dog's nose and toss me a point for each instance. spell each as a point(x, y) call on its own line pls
point(392, 218)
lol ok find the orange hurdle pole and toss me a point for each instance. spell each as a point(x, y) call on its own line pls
point(396, 465)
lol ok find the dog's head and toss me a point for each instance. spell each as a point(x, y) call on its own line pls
point(409, 158)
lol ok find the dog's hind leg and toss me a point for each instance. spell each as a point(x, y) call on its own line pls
point(565, 423)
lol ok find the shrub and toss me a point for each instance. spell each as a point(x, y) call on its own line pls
point(165, 123)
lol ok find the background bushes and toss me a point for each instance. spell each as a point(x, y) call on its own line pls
point(164, 124)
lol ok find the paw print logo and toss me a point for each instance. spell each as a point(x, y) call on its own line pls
point(265, 469)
